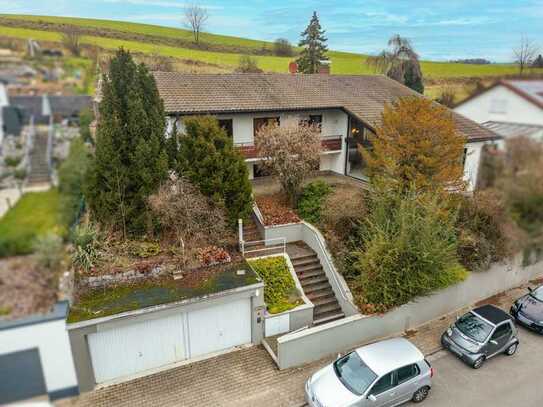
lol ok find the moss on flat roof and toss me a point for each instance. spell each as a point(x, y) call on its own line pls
point(101, 302)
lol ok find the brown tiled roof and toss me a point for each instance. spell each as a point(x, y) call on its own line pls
point(363, 96)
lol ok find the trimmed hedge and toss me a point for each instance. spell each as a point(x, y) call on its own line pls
point(312, 201)
point(280, 292)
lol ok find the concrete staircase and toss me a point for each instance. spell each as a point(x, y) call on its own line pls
point(39, 167)
point(316, 287)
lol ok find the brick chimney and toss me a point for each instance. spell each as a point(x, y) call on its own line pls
point(324, 67)
point(293, 67)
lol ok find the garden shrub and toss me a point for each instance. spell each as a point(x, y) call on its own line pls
point(49, 251)
point(12, 161)
point(87, 244)
point(71, 177)
point(144, 249)
point(311, 201)
point(407, 248)
point(280, 292)
point(485, 231)
point(207, 157)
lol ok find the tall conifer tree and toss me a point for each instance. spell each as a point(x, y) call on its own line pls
point(314, 47)
point(130, 160)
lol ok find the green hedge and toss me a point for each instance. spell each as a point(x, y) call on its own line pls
point(312, 200)
point(280, 292)
point(35, 214)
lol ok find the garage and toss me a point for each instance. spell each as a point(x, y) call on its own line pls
point(133, 346)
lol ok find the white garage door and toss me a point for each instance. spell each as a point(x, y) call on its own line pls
point(220, 327)
point(133, 348)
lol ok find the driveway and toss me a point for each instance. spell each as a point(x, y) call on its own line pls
point(249, 377)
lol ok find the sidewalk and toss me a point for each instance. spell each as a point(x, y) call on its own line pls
point(247, 377)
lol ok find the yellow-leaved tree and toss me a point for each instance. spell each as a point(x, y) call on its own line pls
point(417, 143)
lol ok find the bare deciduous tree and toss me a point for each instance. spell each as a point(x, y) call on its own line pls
point(525, 54)
point(195, 220)
point(195, 19)
point(71, 39)
point(291, 152)
point(400, 62)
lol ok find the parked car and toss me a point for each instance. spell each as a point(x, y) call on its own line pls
point(528, 310)
point(481, 334)
point(386, 373)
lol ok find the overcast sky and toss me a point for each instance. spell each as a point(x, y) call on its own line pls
point(439, 29)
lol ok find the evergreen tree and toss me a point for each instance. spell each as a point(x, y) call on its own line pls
point(208, 159)
point(130, 160)
point(413, 76)
point(314, 47)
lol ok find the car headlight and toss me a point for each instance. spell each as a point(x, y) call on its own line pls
point(514, 306)
point(449, 331)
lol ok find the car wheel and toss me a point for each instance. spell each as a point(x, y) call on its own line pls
point(511, 350)
point(421, 394)
point(479, 362)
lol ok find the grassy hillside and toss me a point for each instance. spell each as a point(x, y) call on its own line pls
point(149, 42)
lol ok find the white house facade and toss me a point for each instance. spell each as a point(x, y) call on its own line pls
point(509, 108)
point(346, 108)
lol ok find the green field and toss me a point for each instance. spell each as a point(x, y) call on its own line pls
point(342, 62)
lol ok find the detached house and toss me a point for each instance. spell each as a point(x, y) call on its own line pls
point(347, 108)
point(510, 108)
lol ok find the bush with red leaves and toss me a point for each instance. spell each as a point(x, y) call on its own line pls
point(213, 255)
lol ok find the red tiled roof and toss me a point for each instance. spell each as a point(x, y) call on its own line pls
point(363, 96)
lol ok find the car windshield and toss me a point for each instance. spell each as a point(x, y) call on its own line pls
point(538, 293)
point(474, 327)
point(353, 373)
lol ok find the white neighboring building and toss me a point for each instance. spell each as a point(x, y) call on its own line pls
point(347, 108)
point(510, 108)
point(3, 102)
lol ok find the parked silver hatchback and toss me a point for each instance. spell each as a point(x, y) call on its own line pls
point(386, 373)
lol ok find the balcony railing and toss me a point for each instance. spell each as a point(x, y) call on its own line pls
point(329, 143)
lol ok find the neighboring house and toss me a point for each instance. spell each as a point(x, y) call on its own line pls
point(347, 108)
point(510, 108)
point(3, 103)
point(41, 109)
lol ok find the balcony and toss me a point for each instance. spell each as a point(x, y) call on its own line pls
point(329, 143)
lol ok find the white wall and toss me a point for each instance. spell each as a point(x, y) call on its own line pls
point(334, 123)
point(502, 105)
point(3, 102)
point(311, 344)
point(472, 164)
point(55, 353)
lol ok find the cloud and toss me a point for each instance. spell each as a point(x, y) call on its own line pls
point(159, 3)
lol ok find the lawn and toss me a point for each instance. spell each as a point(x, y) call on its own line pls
point(35, 214)
point(343, 63)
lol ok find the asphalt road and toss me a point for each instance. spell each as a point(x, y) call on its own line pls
point(503, 381)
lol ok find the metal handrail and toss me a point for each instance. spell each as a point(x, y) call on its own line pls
point(282, 244)
point(258, 214)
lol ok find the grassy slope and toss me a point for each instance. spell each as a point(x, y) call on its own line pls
point(342, 62)
point(36, 213)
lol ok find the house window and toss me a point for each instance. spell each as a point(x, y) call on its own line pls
point(498, 106)
point(227, 126)
point(260, 122)
point(314, 119)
